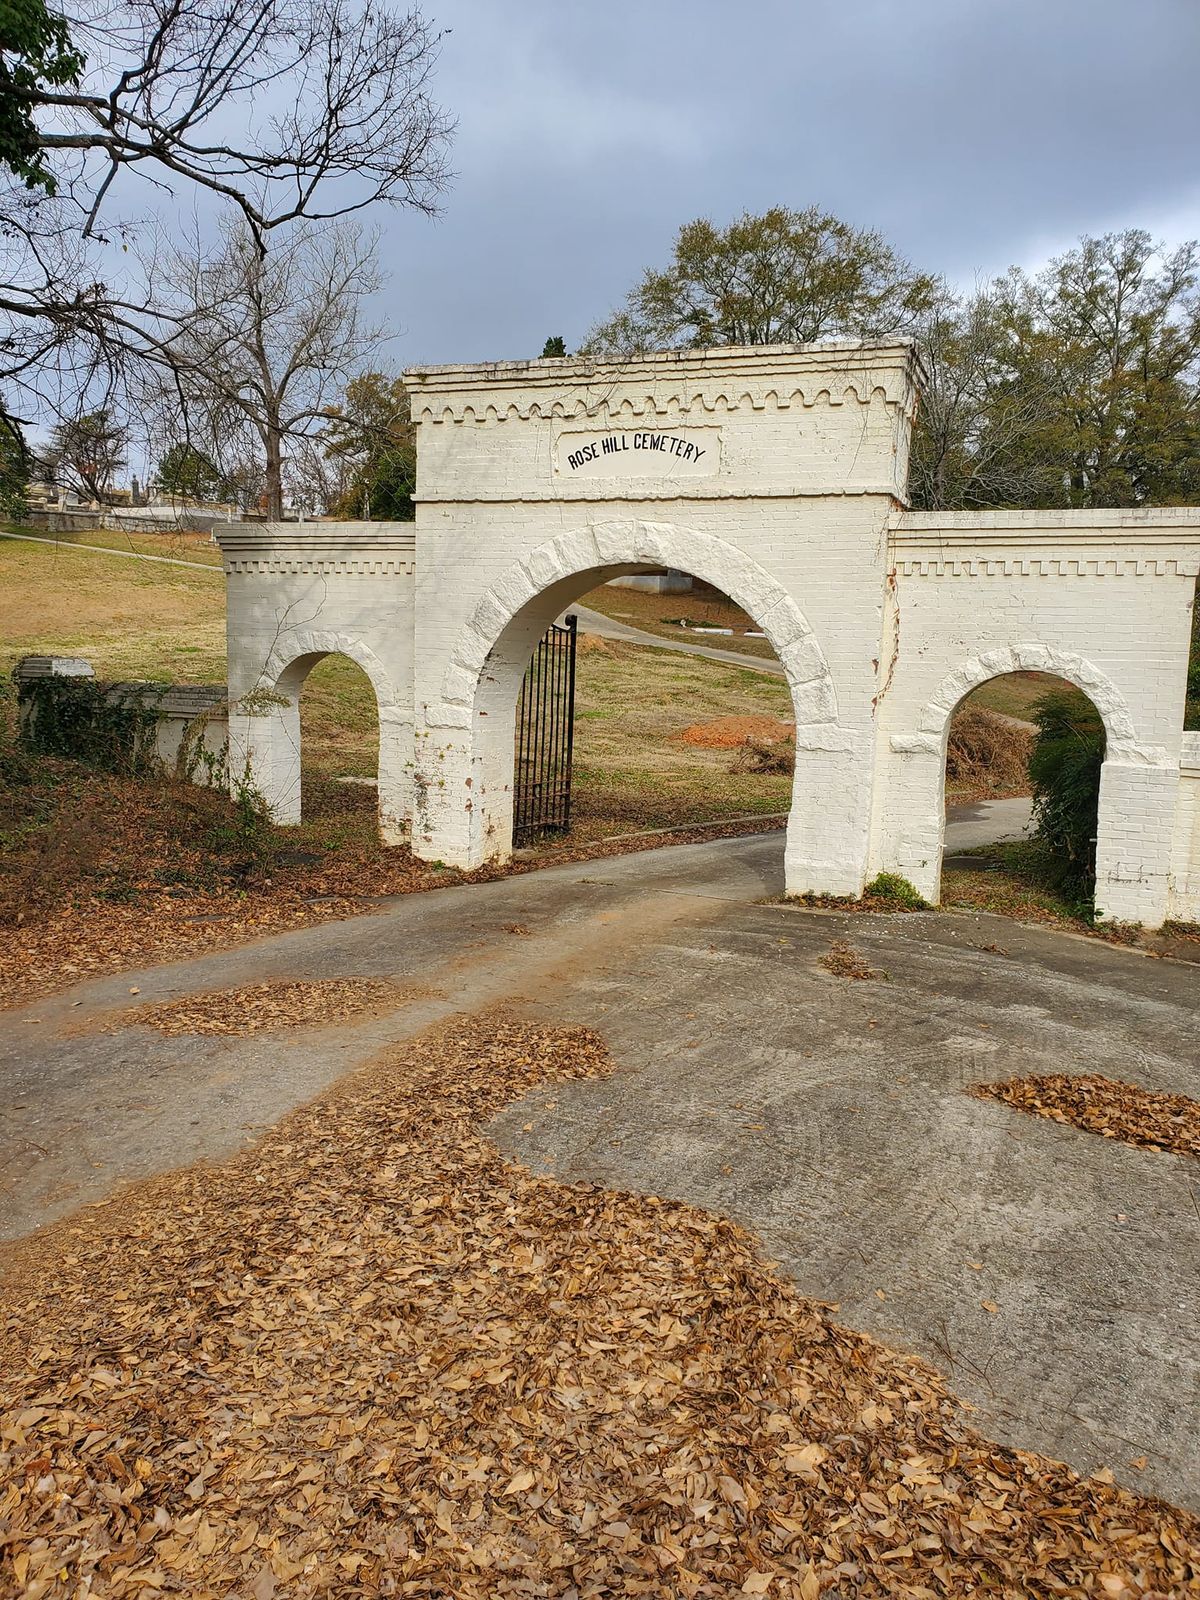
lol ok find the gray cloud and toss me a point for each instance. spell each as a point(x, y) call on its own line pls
point(974, 133)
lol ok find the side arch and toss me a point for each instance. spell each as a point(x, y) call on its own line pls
point(294, 648)
point(1136, 780)
point(1103, 693)
point(265, 735)
point(635, 543)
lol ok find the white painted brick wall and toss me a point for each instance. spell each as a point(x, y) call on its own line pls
point(293, 595)
point(1102, 599)
point(883, 618)
point(1184, 900)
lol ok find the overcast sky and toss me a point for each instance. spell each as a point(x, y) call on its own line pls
point(972, 133)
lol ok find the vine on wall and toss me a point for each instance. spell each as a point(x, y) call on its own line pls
point(75, 718)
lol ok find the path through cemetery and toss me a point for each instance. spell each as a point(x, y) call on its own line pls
point(1025, 1259)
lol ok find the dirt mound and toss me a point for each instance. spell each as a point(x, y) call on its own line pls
point(728, 733)
point(988, 754)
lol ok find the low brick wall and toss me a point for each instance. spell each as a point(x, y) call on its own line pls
point(190, 722)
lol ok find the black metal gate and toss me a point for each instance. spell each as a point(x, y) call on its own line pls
point(545, 737)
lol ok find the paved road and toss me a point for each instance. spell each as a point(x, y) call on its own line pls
point(988, 822)
point(827, 1115)
point(595, 622)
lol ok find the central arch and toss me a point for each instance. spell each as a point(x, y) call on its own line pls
point(605, 549)
point(480, 682)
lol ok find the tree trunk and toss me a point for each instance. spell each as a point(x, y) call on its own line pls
point(273, 476)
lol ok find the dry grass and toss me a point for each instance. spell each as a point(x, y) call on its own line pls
point(180, 544)
point(1014, 694)
point(131, 620)
point(1015, 879)
point(369, 1356)
point(339, 721)
point(1123, 1111)
point(634, 767)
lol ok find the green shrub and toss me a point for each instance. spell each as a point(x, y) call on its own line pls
point(1064, 774)
point(891, 886)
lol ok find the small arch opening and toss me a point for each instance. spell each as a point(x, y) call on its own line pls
point(331, 744)
point(1023, 758)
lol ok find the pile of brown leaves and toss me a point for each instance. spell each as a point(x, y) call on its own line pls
point(86, 938)
point(99, 872)
point(1116, 1110)
point(844, 961)
point(264, 1007)
point(370, 1357)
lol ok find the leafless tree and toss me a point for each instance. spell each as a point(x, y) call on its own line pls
point(282, 111)
point(261, 339)
point(267, 103)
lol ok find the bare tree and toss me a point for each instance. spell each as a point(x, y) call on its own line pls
point(265, 103)
point(281, 110)
point(262, 339)
point(974, 416)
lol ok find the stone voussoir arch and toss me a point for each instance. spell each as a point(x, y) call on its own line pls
point(296, 646)
point(1105, 696)
point(633, 542)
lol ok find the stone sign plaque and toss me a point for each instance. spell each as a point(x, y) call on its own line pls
point(639, 453)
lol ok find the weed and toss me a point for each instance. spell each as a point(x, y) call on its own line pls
point(245, 834)
point(890, 886)
point(758, 755)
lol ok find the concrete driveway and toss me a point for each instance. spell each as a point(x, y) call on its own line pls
point(827, 1115)
point(980, 822)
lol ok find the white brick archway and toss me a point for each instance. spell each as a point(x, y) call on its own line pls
point(265, 731)
point(925, 789)
point(607, 546)
point(1101, 691)
point(465, 740)
point(780, 475)
point(305, 645)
